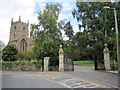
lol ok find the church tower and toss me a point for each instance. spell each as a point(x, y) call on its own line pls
point(19, 35)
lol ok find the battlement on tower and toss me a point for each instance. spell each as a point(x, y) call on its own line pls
point(12, 22)
point(19, 35)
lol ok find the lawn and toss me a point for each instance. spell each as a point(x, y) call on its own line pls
point(84, 63)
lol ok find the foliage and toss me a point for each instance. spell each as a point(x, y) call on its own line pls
point(21, 56)
point(9, 53)
point(77, 45)
point(68, 30)
point(88, 52)
point(47, 34)
point(26, 56)
point(29, 55)
point(99, 25)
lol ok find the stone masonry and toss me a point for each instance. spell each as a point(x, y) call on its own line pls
point(19, 36)
point(61, 59)
point(46, 63)
point(107, 58)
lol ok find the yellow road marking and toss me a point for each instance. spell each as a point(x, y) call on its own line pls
point(103, 85)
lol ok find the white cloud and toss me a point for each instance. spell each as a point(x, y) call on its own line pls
point(42, 5)
point(75, 29)
point(15, 8)
point(56, 0)
point(25, 9)
point(64, 16)
point(67, 6)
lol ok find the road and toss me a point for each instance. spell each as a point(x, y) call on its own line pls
point(82, 77)
point(101, 77)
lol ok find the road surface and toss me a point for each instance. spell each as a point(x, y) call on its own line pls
point(82, 77)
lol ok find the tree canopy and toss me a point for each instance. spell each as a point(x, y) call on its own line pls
point(47, 34)
point(99, 23)
point(9, 53)
point(97, 27)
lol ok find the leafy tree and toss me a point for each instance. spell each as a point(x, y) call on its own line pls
point(68, 30)
point(47, 34)
point(99, 23)
point(88, 52)
point(9, 53)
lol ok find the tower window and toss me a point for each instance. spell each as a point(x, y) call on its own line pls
point(23, 46)
point(14, 27)
point(23, 28)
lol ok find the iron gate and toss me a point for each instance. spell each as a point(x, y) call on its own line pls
point(68, 62)
point(53, 64)
point(98, 63)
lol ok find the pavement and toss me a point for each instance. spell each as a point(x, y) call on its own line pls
point(114, 72)
point(82, 77)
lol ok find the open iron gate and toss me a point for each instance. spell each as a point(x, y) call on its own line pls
point(68, 62)
point(54, 63)
point(98, 64)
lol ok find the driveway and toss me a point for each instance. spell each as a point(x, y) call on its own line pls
point(101, 77)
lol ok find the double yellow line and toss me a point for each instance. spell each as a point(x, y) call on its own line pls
point(101, 84)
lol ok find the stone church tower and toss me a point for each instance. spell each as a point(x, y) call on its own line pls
point(19, 36)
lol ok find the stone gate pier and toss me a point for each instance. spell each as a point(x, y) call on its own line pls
point(106, 58)
point(61, 59)
point(46, 63)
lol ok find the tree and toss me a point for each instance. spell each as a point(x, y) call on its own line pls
point(68, 30)
point(9, 53)
point(88, 52)
point(99, 23)
point(80, 42)
point(47, 34)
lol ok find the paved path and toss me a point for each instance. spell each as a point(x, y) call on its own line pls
point(82, 77)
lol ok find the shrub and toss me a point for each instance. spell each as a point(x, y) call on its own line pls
point(29, 55)
point(26, 56)
point(21, 56)
point(9, 53)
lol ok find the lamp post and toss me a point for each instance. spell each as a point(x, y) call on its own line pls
point(117, 36)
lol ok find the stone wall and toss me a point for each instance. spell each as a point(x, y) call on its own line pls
point(22, 67)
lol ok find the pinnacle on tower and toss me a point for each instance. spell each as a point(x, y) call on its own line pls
point(19, 18)
point(12, 21)
point(28, 22)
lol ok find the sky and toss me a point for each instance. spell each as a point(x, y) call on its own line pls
point(28, 9)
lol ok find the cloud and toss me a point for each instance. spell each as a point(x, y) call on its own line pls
point(67, 6)
point(42, 5)
point(26, 9)
point(15, 8)
point(75, 29)
point(55, 0)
